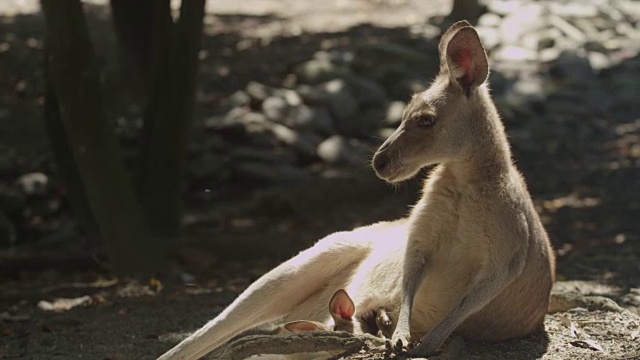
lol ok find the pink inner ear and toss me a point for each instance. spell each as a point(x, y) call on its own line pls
point(463, 60)
point(341, 305)
point(345, 312)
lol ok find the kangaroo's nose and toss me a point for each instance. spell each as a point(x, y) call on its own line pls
point(380, 162)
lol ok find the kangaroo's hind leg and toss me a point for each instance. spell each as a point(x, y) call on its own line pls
point(276, 293)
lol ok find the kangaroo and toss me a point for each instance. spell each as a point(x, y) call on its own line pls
point(471, 257)
point(478, 260)
point(366, 262)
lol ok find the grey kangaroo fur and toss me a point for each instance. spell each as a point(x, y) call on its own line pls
point(478, 259)
point(472, 258)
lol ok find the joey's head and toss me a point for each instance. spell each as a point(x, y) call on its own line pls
point(344, 318)
point(343, 311)
point(440, 124)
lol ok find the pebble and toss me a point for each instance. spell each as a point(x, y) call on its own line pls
point(35, 183)
point(275, 108)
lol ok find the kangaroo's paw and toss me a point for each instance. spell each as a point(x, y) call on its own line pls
point(424, 348)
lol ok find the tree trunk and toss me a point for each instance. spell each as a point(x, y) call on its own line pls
point(110, 196)
point(67, 168)
point(168, 117)
point(133, 22)
point(465, 10)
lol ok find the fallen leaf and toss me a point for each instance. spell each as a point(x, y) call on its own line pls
point(135, 289)
point(566, 321)
point(63, 304)
point(587, 344)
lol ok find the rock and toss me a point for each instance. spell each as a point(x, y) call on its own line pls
point(632, 298)
point(489, 19)
point(567, 28)
point(35, 183)
point(547, 38)
point(300, 117)
point(530, 41)
point(275, 108)
point(587, 27)
point(255, 122)
point(560, 302)
point(524, 19)
point(291, 97)
point(531, 87)
point(257, 91)
point(342, 103)
point(320, 69)
point(574, 9)
point(311, 95)
point(599, 61)
point(549, 54)
point(504, 7)
point(338, 149)
point(240, 98)
point(490, 36)
point(291, 138)
point(514, 54)
point(395, 109)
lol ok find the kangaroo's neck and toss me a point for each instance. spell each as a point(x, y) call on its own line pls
point(488, 160)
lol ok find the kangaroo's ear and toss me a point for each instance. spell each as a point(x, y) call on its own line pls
point(305, 325)
point(341, 306)
point(466, 59)
point(446, 37)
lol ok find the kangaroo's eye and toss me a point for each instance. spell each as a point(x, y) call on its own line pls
point(426, 121)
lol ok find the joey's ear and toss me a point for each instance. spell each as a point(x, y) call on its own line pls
point(304, 326)
point(341, 306)
point(466, 59)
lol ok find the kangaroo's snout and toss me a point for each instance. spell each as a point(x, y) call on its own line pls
point(380, 162)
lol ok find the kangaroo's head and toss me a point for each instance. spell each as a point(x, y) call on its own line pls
point(441, 123)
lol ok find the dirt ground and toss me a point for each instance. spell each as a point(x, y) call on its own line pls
point(597, 241)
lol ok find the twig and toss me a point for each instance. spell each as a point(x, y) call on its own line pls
point(315, 341)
